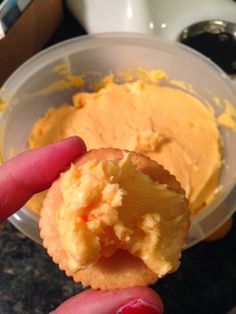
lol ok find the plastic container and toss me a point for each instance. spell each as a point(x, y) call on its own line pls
point(28, 98)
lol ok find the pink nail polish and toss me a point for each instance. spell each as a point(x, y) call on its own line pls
point(139, 306)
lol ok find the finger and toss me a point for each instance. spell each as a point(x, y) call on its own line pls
point(34, 171)
point(139, 300)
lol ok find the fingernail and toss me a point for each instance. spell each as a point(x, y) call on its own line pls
point(139, 306)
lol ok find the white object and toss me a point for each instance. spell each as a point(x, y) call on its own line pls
point(166, 18)
point(90, 55)
point(10, 11)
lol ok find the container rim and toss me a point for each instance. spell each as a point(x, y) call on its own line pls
point(46, 56)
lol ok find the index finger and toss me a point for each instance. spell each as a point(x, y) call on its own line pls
point(33, 171)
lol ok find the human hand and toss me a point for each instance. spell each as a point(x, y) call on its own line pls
point(34, 171)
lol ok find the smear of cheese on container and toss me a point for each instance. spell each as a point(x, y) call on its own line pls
point(228, 117)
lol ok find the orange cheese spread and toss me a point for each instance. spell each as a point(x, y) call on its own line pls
point(110, 205)
point(165, 123)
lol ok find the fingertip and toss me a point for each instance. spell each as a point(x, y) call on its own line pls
point(130, 300)
point(74, 141)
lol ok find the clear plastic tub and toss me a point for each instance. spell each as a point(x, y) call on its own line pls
point(27, 97)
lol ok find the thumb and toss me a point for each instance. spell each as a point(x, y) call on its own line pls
point(137, 300)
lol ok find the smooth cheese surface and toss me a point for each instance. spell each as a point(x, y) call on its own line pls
point(169, 125)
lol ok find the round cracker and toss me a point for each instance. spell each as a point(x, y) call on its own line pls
point(121, 270)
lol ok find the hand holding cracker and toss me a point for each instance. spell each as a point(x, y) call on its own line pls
point(33, 172)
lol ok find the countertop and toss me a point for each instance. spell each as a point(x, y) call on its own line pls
point(31, 283)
